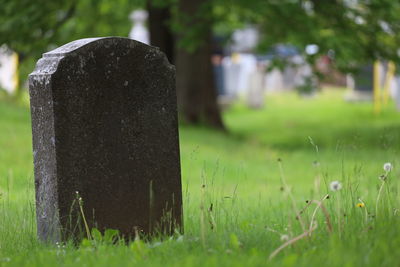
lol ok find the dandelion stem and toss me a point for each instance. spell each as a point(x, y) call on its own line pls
point(377, 198)
point(389, 197)
point(339, 217)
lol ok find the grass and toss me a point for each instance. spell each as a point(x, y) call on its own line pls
point(321, 139)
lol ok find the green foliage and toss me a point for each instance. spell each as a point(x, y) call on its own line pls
point(140, 249)
point(29, 26)
point(234, 242)
point(95, 18)
point(33, 27)
point(356, 32)
point(110, 237)
point(192, 22)
point(352, 32)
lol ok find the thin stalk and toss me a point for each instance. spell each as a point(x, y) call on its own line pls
point(202, 217)
point(365, 210)
point(286, 187)
point(289, 242)
point(84, 219)
point(327, 218)
point(378, 197)
point(339, 216)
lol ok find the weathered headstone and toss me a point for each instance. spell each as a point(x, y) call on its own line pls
point(104, 123)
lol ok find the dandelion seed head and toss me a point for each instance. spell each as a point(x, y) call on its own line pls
point(387, 167)
point(335, 186)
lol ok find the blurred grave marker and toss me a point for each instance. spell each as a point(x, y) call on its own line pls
point(361, 84)
point(8, 69)
point(255, 93)
point(139, 31)
point(104, 123)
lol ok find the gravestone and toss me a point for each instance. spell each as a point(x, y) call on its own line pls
point(8, 70)
point(139, 31)
point(104, 123)
point(255, 92)
point(364, 79)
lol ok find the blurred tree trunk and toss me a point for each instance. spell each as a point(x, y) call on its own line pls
point(160, 33)
point(196, 91)
point(197, 94)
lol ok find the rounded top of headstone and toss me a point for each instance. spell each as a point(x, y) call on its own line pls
point(75, 46)
point(48, 64)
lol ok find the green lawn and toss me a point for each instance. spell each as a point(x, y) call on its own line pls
point(317, 140)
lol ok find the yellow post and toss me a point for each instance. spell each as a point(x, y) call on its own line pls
point(388, 80)
point(15, 77)
point(377, 89)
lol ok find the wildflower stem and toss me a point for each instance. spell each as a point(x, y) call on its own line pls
point(202, 217)
point(378, 198)
point(365, 210)
point(291, 241)
point(294, 206)
point(320, 204)
point(89, 236)
point(389, 197)
point(339, 217)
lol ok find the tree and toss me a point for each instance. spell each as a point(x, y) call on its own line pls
point(354, 32)
point(31, 28)
point(27, 27)
point(183, 32)
point(196, 90)
point(161, 34)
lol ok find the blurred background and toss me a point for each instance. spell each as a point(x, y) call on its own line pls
point(224, 50)
point(257, 80)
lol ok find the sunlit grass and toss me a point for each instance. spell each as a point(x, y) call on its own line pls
point(248, 212)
